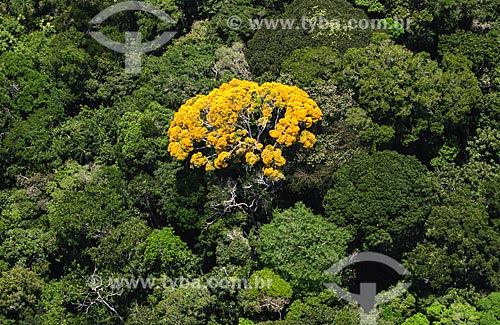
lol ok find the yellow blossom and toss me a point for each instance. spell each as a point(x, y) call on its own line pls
point(220, 161)
point(198, 160)
point(242, 121)
point(307, 139)
point(251, 158)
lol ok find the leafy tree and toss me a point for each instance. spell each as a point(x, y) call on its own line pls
point(40, 79)
point(221, 12)
point(397, 310)
point(122, 249)
point(370, 5)
point(456, 313)
point(10, 32)
point(189, 61)
point(243, 119)
point(29, 248)
point(269, 47)
point(244, 321)
point(231, 62)
point(168, 253)
point(320, 244)
point(417, 319)
point(267, 292)
point(88, 137)
point(400, 95)
point(384, 198)
point(180, 195)
point(311, 65)
point(19, 209)
point(489, 307)
point(52, 306)
point(188, 306)
point(430, 18)
point(24, 147)
point(142, 137)
point(318, 309)
point(460, 243)
point(481, 50)
point(20, 289)
point(86, 203)
point(484, 145)
point(88, 186)
point(492, 197)
point(235, 250)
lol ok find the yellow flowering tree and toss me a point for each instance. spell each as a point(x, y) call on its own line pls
point(243, 122)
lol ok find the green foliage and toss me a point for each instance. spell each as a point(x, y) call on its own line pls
point(370, 5)
point(490, 309)
point(417, 319)
point(10, 31)
point(484, 146)
point(336, 142)
point(397, 310)
point(317, 309)
point(266, 282)
point(235, 250)
point(383, 198)
point(270, 47)
point(456, 313)
point(52, 305)
point(18, 210)
point(181, 195)
point(431, 18)
point(245, 10)
point(20, 289)
point(86, 186)
point(460, 244)
point(166, 252)
point(28, 248)
point(446, 155)
point(86, 202)
point(142, 136)
point(189, 63)
point(181, 306)
point(267, 292)
point(244, 321)
point(408, 99)
point(88, 137)
point(492, 196)
point(311, 65)
point(481, 50)
point(231, 62)
point(122, 249)
point(395, 28)
point(321, 244)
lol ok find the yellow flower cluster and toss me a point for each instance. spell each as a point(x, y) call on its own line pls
point(236, 120)
point(272, 158)
point(301, 112)
point(273, 174)
point(251, 158)
point(221, 160)
point(198, 160)
point(307, 139)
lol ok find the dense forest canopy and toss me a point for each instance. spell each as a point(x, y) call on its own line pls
point(247, 156)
